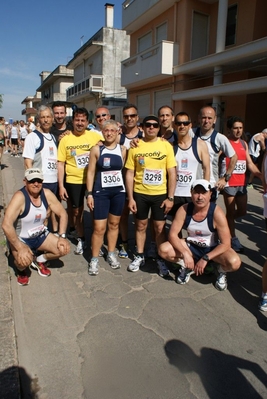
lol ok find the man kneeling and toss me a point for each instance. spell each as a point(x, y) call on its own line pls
point(25, 230)
point(208, 238)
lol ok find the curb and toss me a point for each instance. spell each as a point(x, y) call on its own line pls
point(9, 371)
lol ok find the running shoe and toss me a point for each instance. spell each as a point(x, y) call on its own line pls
point(80, 247)
point(221, 282)
point(41, 268)
point(123, 252)
point(101, 253)
point(135, 265)
point(184, 276)
point(22, 278)
point(113, 261)
point(163, 270)
point(93, 267)
point(263, 304)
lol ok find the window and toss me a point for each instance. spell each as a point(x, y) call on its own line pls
point(199, 35)
point(143, 105)
point(231, 25)
point(162, 97)
point(145, 42)
point(161, 33)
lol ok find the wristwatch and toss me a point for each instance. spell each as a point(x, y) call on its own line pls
point(170, 199)
point(63, 235)
point(227, 176)
point(206, 258)
point(87, 193)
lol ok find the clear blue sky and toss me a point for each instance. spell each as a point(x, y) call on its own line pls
point(39, 36)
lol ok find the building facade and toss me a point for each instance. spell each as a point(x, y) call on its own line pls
point(97, 69)
point(189, 53)
point(54, 86)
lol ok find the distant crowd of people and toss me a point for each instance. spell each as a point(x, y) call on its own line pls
point(162, 168)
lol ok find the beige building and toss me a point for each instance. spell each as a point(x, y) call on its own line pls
point(189, 53)
point(31, 104)
point(54, 86)
point(97, 69)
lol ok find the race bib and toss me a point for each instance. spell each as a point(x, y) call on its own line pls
point(51, 165)
point(153, 177)
point(184, 178)
point(82, 160)
point(36, 231)
point(240, 167)
point(111, 178)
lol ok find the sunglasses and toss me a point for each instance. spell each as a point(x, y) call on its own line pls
point(35, 181)
point(99, 116)
point(129, 116)
point(180, 123)
point(149, 124)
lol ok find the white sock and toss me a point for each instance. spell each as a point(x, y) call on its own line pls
point(41, 258)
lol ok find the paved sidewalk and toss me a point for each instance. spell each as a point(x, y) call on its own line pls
point(135, 335)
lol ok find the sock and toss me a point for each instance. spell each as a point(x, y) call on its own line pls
point(41, 259)
point(141, 254)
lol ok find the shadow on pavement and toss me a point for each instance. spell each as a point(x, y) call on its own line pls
point(220, 373)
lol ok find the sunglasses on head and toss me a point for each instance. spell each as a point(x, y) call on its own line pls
point(180, 123)
point(35, 181)
point(129, 116)
point(99, 116)
point(150, 124)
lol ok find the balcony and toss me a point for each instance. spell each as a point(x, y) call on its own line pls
point(92, 84)
point(150, 65)
point(137, 13)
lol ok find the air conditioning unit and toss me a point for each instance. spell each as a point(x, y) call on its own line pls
point(96, 83)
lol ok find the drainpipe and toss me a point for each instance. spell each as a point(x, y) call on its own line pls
point(220, 46)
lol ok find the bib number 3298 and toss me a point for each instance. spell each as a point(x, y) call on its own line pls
point(153, 177)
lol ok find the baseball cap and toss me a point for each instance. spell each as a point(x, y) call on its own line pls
point(201, 182)
point(151, 118)
point(33, 173)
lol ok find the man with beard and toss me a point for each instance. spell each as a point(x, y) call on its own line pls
point(61, 125)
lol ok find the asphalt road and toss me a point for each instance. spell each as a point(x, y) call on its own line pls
point(133, 335)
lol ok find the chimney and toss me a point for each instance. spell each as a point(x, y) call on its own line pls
point(109, 15)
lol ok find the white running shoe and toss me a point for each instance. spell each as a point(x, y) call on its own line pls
point(136, 264)
point(113, 261)
point(93, 267)
point(80, 247)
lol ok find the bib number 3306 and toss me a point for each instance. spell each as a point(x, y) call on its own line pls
point(111, 178)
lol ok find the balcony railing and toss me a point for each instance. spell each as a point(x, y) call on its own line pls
point(149, 65)
point(94, 84)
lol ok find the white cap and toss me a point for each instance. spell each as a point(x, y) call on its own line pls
point(33, 173)
point(201, 182)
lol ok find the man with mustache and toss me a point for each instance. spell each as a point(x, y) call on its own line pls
point(208, 238)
